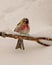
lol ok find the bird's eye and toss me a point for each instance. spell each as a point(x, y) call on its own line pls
point(27, 22)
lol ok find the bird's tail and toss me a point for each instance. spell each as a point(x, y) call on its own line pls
point(20, 44)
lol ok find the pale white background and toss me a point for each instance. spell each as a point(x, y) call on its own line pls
point(39, 13)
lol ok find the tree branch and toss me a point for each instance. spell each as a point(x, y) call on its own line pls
point(16, 36)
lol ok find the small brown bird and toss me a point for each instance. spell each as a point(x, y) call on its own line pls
point(22, 28)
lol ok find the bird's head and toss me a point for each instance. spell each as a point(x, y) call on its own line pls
point(25, 20)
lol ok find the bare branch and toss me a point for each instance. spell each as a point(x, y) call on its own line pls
point(16, 36)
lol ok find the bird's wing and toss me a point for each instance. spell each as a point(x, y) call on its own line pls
point(16, 29)
point(18, 24)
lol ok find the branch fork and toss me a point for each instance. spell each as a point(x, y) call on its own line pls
point(20, 43)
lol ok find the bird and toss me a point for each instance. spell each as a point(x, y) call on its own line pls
point(22, 28)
